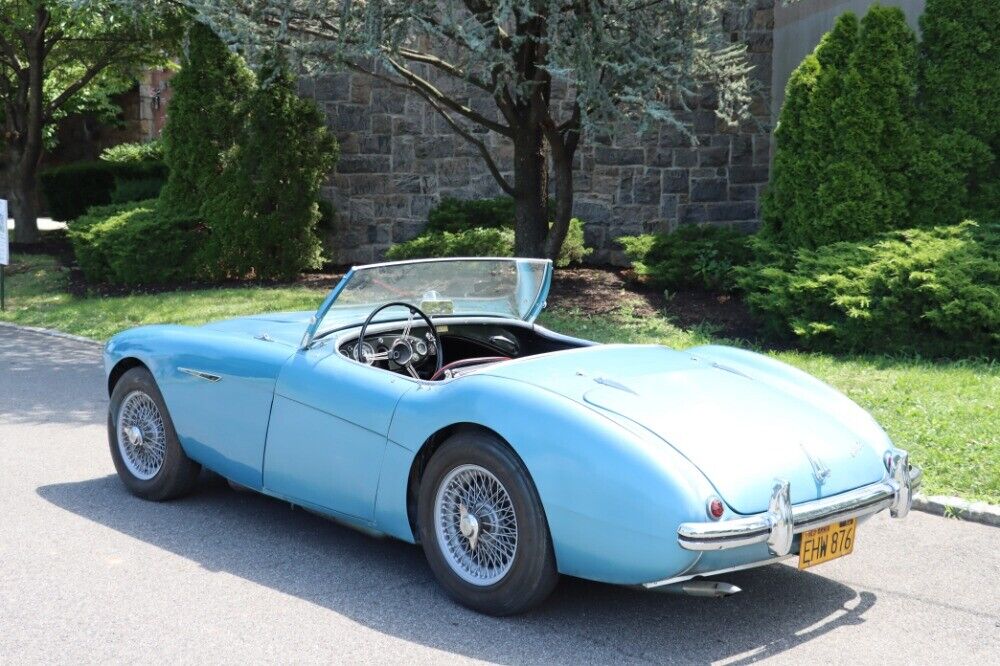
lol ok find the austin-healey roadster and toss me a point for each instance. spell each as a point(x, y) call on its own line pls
point(421, 401)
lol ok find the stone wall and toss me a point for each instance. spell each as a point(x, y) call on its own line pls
point(399, 157)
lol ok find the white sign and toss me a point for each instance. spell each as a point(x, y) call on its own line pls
point(4, 249)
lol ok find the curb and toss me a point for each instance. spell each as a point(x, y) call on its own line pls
point(956, 507)
point(51, 333)
point(938, 505)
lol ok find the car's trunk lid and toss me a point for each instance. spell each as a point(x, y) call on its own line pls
point(741, 432)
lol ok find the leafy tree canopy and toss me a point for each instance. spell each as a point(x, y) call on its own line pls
point(618, 59)
point(59, 57)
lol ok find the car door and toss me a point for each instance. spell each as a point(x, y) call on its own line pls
point(329, 426)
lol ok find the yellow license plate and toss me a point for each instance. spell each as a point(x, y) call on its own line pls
point(826, 543)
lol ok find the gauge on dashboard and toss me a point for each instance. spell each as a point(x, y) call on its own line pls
point(367, 351)
point(421, 347)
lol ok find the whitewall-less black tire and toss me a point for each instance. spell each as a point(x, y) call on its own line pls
point(144, 445)
point(482, 526)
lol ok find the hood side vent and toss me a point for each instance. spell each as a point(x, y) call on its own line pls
point(613, 384)
point(719, 366)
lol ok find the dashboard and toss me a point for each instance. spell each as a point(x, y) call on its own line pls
point(393, 351)
point(463, 347)
point(397, 352)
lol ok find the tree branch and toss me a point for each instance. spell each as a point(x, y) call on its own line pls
point(483, 150)
point(458, 129)
point(429, 89)
point(483, 13)
point(444, 66)
point(77, 85)
point(8, 49)
point(51, 42)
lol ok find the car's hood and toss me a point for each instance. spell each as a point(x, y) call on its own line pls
point(284, 327)
point(743, 419)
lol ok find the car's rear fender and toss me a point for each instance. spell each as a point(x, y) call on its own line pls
point(613, 496)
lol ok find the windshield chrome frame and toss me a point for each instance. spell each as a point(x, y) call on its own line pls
point(324, 308)
point(311, 330)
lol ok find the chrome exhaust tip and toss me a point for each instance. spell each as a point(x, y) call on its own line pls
point(700, 588)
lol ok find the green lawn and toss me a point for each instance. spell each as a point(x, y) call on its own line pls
point(36, 296)
point(947, 414)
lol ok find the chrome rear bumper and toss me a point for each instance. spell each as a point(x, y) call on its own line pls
point(782, 521)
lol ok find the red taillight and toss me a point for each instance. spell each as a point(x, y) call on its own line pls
point(716, 508)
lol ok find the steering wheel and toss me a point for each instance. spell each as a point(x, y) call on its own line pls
point(403, 351)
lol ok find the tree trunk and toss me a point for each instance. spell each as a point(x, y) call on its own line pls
point(23, 204)
point(23, 169)
point(562, 166)
point(531, 223)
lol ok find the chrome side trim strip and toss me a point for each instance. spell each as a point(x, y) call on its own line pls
point(782, 521)
point(207, 376)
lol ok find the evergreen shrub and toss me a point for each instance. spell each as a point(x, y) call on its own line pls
point(933, 291)
point(264, 213)
point(134, 244)
point(692, 257)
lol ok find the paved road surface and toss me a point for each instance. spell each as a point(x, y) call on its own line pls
point(89, 573)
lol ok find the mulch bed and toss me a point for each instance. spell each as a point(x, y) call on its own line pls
point(601, 290)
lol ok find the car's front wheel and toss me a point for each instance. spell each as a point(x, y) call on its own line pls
point(482, 526)
point(144, 445)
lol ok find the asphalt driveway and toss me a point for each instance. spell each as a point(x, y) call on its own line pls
point(89, 573)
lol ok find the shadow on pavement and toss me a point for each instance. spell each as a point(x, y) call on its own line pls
point(385, 584)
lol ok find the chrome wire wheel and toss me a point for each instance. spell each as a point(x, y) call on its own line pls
point(475, 525)
point(142, 438)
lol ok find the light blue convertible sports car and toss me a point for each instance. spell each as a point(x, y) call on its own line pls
point(421, 401)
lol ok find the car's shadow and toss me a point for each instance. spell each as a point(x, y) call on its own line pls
point(385, 584)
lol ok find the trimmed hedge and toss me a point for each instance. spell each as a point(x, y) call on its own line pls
point(479, 228)
point(932, 291)
point(468, 242)
point(574, 250)
point(483, 242)
point(206, 117)
point(140, 172)
point(137, 181)
point(262, 213)
point(692, 257)
point(461, 214)
point(134, 153)
point(960, 85)
point(71, 189)
point(133, 244)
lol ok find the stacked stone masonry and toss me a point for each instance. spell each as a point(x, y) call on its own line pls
point(399, 157)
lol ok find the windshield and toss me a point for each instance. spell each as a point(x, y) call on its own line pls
point(511, 288)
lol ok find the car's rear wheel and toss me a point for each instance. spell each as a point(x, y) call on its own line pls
point(482, 526)
point(144, 445)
